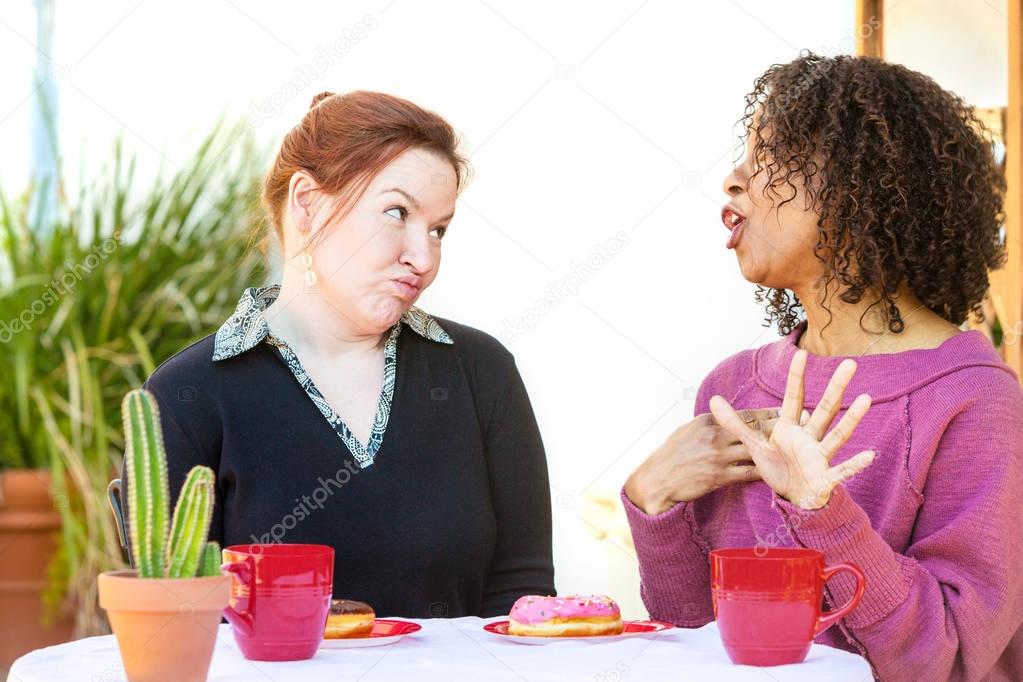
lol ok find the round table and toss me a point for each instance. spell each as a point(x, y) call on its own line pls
point(459, 649)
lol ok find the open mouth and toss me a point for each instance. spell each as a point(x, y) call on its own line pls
point(733, 220)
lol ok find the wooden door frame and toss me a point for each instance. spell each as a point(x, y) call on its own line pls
point(1008, 282)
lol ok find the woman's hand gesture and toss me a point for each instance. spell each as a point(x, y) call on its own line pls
point(795, 461)
point(700, 456)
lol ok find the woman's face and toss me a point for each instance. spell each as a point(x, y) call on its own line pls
point(774, 243)
point(375, 262)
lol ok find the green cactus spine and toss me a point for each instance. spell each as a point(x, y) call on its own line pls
point(191, 523)
point(209, 563)
point(146, 468)
point(183, 551)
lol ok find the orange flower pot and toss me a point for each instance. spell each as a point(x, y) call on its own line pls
point(165, 627)
point(29, 532)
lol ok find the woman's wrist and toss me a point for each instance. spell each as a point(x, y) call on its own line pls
point(650, 499)
point(809, 501)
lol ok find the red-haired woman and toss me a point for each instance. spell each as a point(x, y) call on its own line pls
point(336, 412)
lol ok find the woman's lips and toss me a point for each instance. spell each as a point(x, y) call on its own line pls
point(408, 287)
point(734, 221)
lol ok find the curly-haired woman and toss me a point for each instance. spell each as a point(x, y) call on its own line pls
point(867, 210)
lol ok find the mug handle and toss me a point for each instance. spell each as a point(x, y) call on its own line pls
point(828, 618)
point(241, 571)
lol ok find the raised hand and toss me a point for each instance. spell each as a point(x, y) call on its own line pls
point(700, 456)
point(795, 460)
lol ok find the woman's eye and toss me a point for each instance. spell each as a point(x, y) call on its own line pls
point(439, 232)
point(400, 210)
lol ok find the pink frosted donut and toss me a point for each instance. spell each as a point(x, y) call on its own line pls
point(569, 616)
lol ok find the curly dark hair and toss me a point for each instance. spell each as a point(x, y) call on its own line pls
point(907, 185)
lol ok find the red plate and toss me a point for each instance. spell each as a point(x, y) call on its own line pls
point(633, 628)
point(385, 631)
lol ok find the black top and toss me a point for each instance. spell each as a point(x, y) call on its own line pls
point(446, 512)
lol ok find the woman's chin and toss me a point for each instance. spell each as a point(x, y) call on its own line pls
point(761, 274)
point(751, 273)
point(387, 315)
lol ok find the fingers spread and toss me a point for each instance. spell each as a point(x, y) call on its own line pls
point(831, 401)
point(846, 425)
point(792, 405)
point(850, 467)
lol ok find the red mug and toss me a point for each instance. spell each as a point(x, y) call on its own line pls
point(280, 596)
point(767, 601)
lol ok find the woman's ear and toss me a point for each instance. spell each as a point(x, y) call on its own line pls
point(301, 190)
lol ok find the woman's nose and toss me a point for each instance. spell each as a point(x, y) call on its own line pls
point(733, 183)
point(417, 254)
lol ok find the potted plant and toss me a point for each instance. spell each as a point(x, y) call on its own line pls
point(165, 613)
point(136, 266)
point(30, 526)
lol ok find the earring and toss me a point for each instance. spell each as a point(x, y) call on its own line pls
point(310, 274)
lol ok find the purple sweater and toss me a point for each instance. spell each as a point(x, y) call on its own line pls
point(934, 522)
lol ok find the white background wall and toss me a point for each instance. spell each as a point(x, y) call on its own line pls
point(963, 45)
point(582, 119)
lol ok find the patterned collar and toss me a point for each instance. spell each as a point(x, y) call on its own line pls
point(246, 328)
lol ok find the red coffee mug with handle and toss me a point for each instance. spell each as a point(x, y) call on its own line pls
point(280, 596)
point(767, 601)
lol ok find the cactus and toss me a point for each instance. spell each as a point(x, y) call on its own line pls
point(191, 523)
point(209, 563)
point(146, 469)
point(158, 554)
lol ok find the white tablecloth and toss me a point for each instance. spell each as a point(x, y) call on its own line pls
point(458, 649)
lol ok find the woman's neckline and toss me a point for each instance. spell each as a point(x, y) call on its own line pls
point(883, 376)
point(800, 329)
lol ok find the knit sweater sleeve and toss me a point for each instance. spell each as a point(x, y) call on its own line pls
point(674, 569)
point(949, 606)
point(674, 566)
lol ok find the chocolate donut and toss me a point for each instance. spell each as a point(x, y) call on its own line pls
point(348, 618)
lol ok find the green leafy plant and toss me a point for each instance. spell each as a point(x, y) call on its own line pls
point(184, 550)
point(131, 272)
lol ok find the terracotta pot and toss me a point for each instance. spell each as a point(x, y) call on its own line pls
point(165, 627)
point(29, 536)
